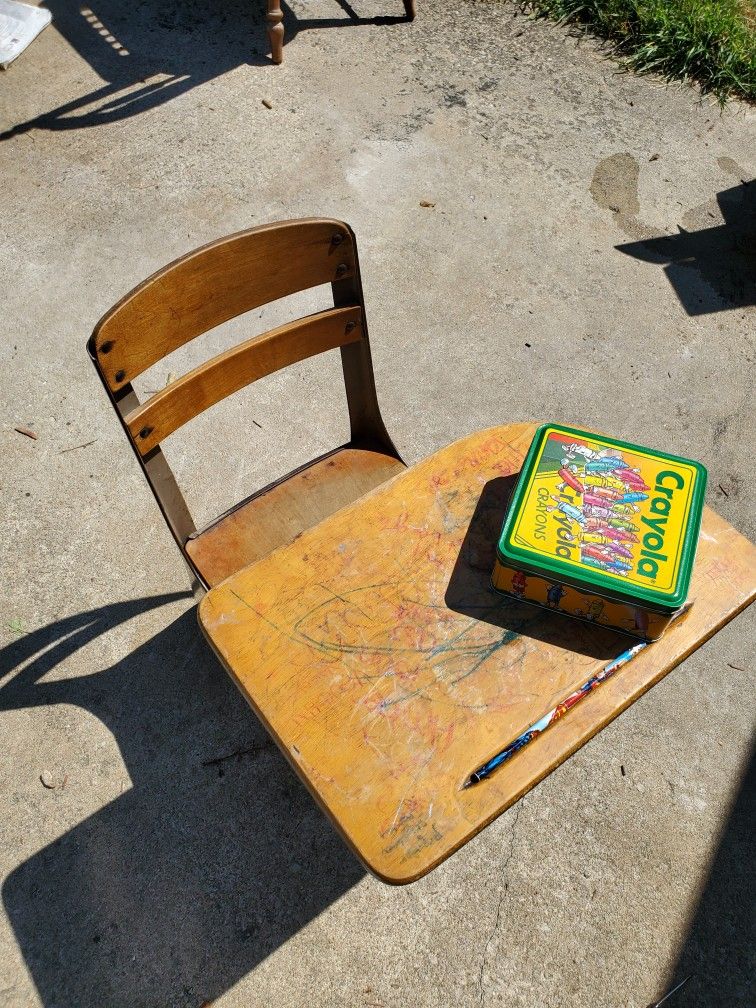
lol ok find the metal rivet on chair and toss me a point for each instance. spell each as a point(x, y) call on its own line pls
point(120, 375)
point(341, 269)
point(350, 326)
point(107, 346)
point(337, 239)
point(145, 432)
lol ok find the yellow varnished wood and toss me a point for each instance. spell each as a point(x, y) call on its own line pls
point(214, 380)
point(278, 515)
point(378, 657)
point(215, 283)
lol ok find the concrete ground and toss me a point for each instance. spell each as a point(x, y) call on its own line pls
point(138, 873)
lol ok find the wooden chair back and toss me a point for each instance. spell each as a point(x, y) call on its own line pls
point(209, 286)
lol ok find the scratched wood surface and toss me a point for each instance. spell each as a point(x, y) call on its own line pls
point(385, 667)
point(277, 517)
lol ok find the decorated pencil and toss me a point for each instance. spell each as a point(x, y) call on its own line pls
point(548, 719)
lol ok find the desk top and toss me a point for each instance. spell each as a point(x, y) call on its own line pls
point(386, 668)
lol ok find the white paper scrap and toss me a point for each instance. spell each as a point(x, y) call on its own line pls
point(20, 24)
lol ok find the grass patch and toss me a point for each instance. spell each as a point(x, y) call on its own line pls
point(712, 42)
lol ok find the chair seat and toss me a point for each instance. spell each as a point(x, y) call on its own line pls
point(278, 514)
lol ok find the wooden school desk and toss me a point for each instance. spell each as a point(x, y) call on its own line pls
point(380, 660)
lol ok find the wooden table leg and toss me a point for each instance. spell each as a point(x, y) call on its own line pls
point(274, 17)
point(409, 6)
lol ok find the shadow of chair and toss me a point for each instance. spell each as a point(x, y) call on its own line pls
point(211, 857)
point(183, 44)
point(713, 269)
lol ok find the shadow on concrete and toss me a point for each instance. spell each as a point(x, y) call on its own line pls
point(713, 269)
point(152, 51)
point(469, 591)
point(719, 952)
point(211, 858)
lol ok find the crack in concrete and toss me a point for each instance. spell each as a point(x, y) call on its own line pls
point(502, 893)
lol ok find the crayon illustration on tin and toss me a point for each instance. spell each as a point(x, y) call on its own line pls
point(603, 481)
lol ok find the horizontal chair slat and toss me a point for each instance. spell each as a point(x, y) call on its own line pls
point(225, 374)
point(214, 284)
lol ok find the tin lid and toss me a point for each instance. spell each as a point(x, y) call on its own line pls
point(607, 516)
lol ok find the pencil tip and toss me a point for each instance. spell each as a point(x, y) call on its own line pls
point(467, 784)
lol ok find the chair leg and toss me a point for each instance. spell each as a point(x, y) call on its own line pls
point(409, 6)
point(274, 17)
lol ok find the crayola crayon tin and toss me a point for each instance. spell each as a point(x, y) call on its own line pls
point(602, 530)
